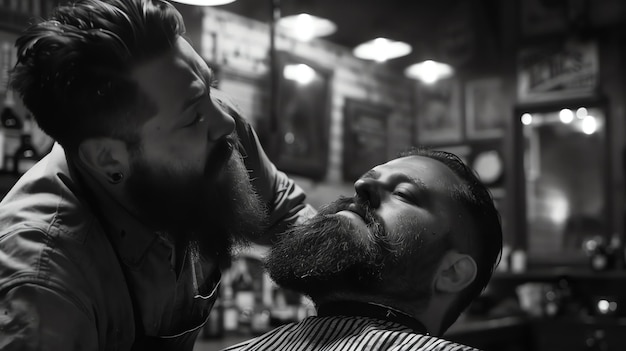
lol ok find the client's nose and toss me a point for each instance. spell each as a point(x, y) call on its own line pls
point(368, 190)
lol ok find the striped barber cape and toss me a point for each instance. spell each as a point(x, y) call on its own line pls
point(346, 333)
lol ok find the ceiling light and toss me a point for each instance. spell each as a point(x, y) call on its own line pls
point(306, 27)
point(204, 2)
point(382, 49)
point(429, 71)
point(301, 73)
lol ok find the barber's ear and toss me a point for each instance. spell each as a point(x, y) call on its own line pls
point(104, 157)
point(456, 271)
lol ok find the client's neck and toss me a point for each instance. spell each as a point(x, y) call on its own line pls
point(365, 298)
point(372, 306)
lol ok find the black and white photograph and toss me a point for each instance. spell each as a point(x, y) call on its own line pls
point(312, 175)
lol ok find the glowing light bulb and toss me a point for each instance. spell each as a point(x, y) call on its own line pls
point(301, 73)
point(381, 49)
point(566, 115)
point(603, 306)
point(589, 125)
point(429, 71)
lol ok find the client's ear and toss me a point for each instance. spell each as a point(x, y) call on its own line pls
point(456, 271)
point(104, 157)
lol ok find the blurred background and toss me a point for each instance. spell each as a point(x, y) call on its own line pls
point(530, 93)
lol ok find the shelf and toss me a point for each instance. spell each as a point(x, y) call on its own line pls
point(551, 274)
point(472, 325)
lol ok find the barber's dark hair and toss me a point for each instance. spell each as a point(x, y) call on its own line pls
point(73, 70)
point(484, 241)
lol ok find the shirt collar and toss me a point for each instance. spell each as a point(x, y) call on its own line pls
point(130, 238)
point(371, 310)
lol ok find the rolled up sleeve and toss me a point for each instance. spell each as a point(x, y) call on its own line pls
point(285, 200)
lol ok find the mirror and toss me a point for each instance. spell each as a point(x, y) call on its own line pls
point(564, 165)
point(304, 114)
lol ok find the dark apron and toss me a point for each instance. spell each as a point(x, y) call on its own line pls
point(178, 342)
point(183, 341)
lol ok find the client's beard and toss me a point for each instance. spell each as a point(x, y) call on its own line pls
point(215, 210)
point(325, 255)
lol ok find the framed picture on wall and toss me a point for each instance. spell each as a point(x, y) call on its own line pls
point(303, 110)
point(438, 113)
point(485, 108)
point(364, 137)
point(539, 81)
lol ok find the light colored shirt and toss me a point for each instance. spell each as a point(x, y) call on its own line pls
point(346, 333)
point(74, 276)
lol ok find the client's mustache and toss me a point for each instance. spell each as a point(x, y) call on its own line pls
point(362, 206)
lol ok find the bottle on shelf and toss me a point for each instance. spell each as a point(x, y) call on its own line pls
point(598, 252)
point(245, 302)
point(25, 156)
point(230, 310)
point(518, 260)
point(569, 304)
point(614, 250)
point(10, 123)
point(11, 127)
point(552, 300)
point(596, 341)
point(9, 118)
point(214, 327)
point(243, 285)
point(599, 260)
point(260, 319)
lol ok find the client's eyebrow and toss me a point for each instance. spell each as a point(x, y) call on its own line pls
point(397, 178)
point(371, 174)
point(405, 178)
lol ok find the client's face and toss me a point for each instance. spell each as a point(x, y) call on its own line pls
point(388, 239)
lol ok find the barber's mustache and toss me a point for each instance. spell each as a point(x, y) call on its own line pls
point(221, 153)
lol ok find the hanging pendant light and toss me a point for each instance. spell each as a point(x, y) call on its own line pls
point(204, 2)
point(381, 49)
point(306, 27)
point(429, 71)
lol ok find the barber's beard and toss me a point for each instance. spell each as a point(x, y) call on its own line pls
point(328, 254)
point(215, 210)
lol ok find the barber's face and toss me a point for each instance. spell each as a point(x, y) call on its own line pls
point(187, 176)
point(387, 239)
